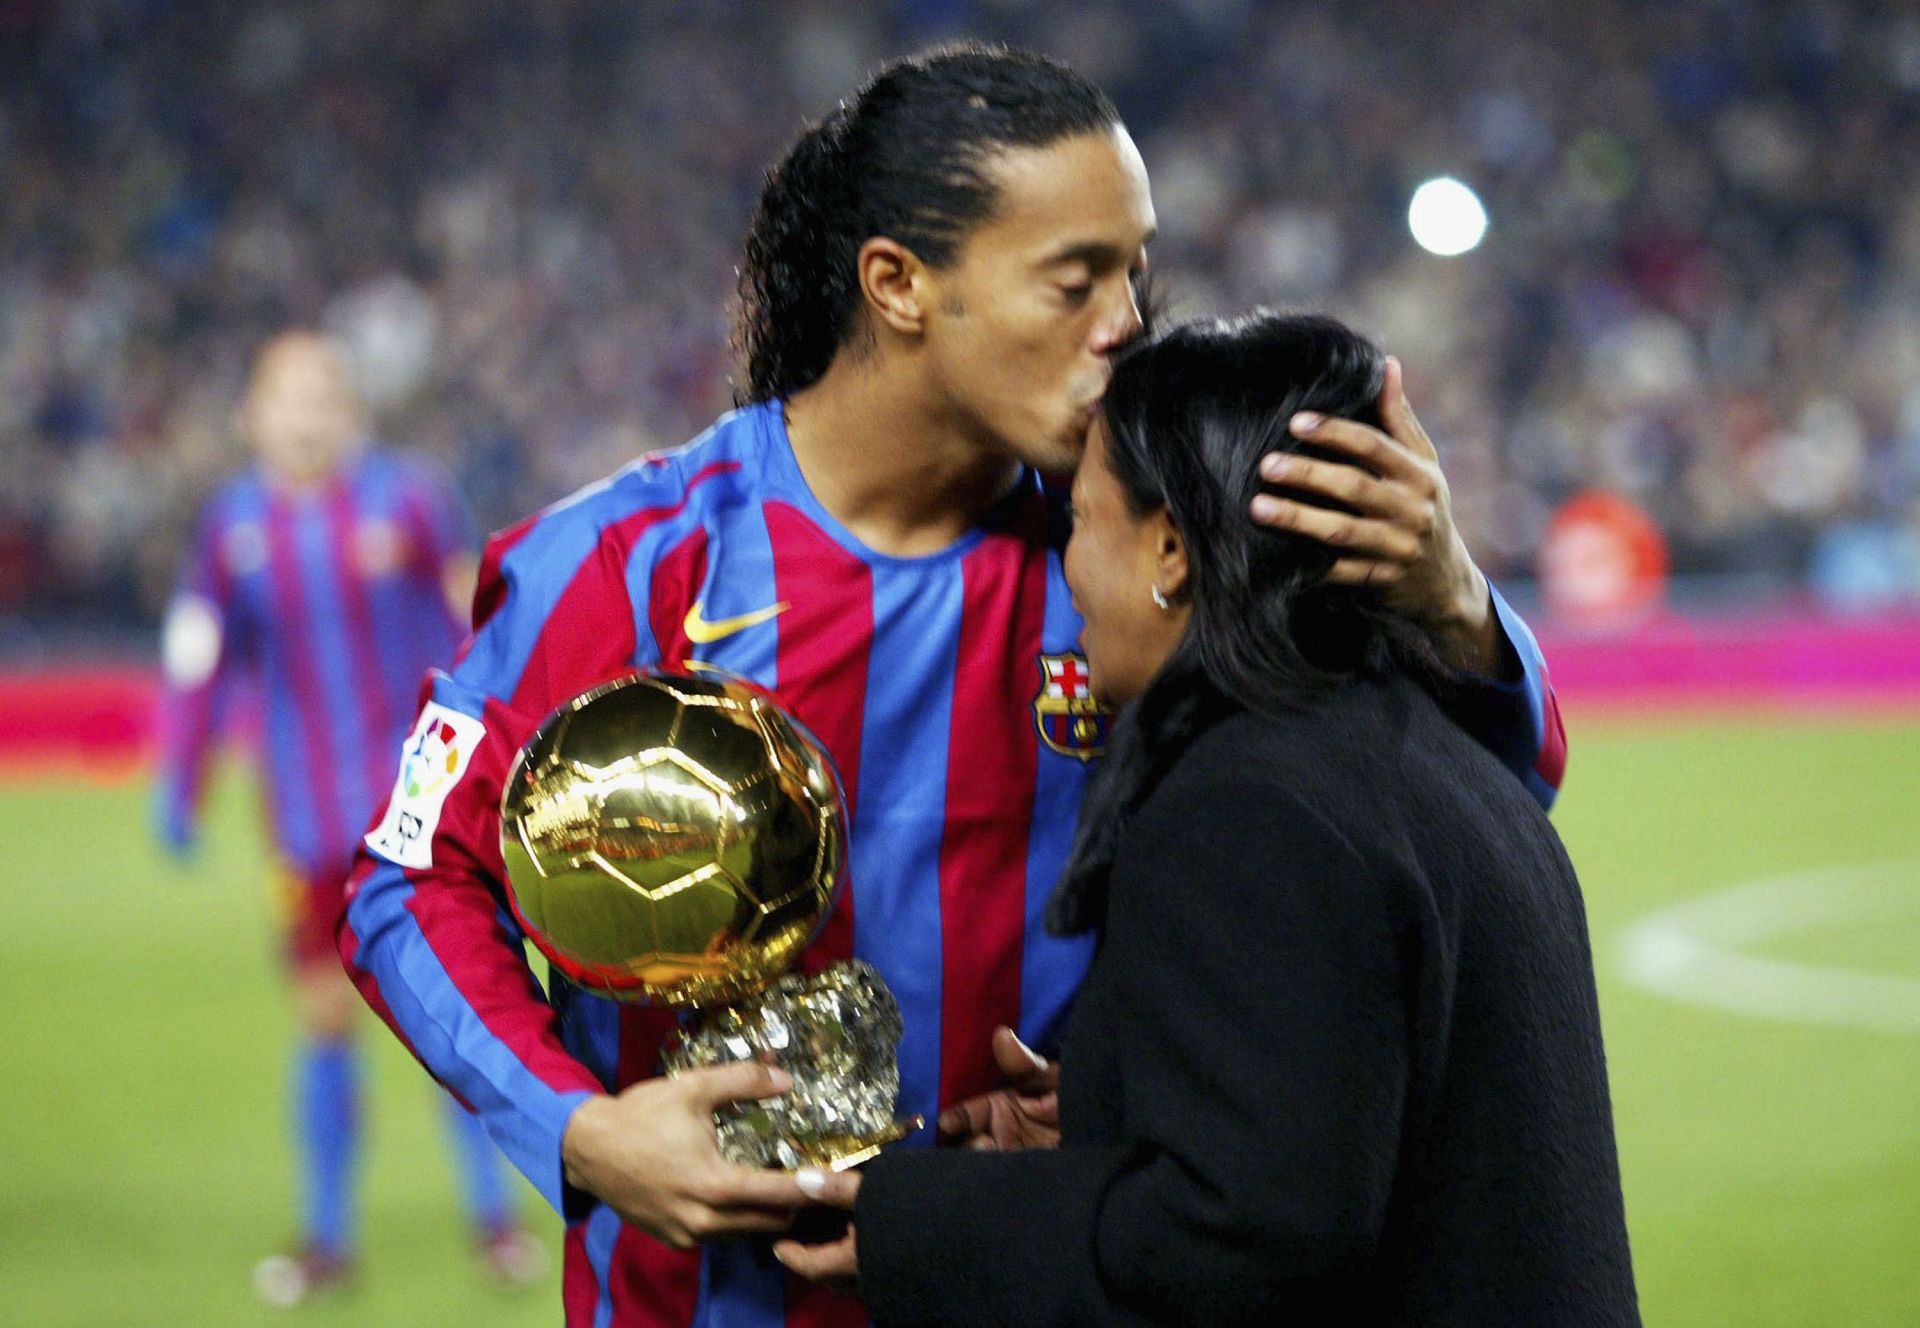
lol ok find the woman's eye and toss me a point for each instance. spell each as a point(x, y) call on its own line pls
point(1076, 294)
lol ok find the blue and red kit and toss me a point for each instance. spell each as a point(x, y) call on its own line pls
point(332, 597)
point(952, 696)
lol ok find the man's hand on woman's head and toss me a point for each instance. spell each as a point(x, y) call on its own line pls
point(1397, 532)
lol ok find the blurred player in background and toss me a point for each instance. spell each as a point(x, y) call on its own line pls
point(934, 282)
point(334, 575)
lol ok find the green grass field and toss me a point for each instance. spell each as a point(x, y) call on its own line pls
point(1772, 1166)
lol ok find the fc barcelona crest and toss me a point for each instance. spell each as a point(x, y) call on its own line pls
point(1070, 721)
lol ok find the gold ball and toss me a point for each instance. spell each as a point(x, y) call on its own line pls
point(672, 836)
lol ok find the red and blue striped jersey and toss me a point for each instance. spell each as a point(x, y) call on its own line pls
point(949, 691)
point(333, 599)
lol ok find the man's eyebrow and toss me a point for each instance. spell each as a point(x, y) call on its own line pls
point(1094, 253)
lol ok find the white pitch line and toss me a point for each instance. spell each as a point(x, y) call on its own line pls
point(1692, 951)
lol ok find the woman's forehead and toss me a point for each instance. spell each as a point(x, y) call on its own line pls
point(1093, 457)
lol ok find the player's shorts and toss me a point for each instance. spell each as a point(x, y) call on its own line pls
point(309, 905)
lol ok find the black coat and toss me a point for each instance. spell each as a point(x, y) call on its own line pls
point(1338, 1061)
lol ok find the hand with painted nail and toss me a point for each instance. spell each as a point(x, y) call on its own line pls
point(1025, 1114)
point(1390, 521)
point(835, 1263)
point(651, 1154)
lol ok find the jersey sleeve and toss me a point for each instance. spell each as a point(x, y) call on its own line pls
point(427, 934)
point(199, 653)
point(1519, 720)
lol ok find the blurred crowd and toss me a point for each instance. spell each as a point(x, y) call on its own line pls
point(1700, 289)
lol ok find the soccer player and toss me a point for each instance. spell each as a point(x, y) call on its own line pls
point(934, 280)
point(327, 572)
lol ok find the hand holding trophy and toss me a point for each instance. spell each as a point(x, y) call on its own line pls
point(678, 838)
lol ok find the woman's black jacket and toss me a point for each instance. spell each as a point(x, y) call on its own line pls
point(1338, 1061)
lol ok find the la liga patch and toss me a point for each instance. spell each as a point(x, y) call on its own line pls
point(435, 756)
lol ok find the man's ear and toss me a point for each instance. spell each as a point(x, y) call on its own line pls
point(1170, 551)
point(893, 283)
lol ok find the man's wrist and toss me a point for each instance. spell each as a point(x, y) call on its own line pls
point(1470, 632)
point(577, 1140)
point(1472, 602)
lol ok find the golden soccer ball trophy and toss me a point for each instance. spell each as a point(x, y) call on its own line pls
point(679, 838)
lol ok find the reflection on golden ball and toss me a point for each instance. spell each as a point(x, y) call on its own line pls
point(673, 836)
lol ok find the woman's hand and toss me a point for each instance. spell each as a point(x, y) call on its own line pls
point(1026, 1114)
point(1399, 534)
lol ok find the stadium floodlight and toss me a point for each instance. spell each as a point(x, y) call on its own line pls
point(1446, 217)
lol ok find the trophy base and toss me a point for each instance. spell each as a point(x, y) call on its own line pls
point(837, 1034)
point(844, 1152)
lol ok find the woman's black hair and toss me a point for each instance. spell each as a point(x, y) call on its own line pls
point(906, 159)
point(1189, 413)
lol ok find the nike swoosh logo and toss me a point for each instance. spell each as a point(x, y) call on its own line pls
point(702, 631)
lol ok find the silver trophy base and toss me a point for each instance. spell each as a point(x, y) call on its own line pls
point(837, 1033)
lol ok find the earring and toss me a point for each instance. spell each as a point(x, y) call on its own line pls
point(1160, 597)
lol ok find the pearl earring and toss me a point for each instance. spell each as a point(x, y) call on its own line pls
point(1160, 597)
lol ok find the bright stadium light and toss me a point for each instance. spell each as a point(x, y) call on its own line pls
point(1446, 217)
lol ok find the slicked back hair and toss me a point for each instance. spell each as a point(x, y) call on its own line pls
point(905, 158)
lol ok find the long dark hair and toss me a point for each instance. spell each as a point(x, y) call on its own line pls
point(1189, 413)
point(904, 158)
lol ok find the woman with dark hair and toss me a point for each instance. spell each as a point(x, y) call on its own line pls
point(1338, 1059)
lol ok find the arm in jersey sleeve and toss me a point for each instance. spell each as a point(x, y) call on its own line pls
point(198, 654)
point(427, 934)
point(1518, 720)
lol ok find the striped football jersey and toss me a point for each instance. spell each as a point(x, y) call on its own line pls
point(331, 601)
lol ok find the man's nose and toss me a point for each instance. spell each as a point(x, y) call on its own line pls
point(1122, 325)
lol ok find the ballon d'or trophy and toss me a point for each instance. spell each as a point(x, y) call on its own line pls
point(678, 838)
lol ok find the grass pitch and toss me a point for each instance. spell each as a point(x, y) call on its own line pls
point(1772, 1166)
